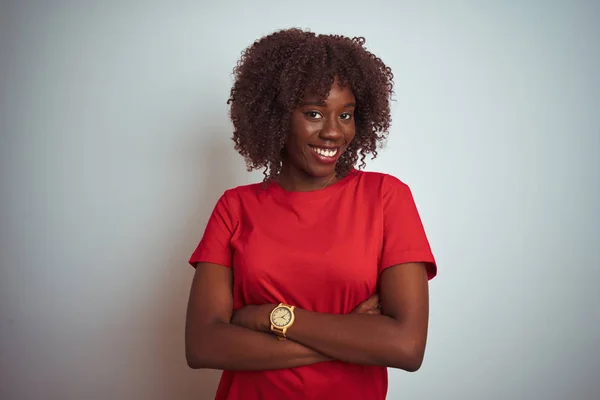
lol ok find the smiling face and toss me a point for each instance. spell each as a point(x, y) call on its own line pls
point(320, 132)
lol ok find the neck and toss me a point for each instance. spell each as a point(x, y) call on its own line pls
point(293, 180)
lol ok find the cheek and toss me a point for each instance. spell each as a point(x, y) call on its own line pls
point(300, 134)
point(350, 135)
point(295, 147)
point(295, 144)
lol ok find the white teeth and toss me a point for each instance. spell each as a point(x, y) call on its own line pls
point(325, 152)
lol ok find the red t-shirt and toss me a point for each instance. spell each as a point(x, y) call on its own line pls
point(321, 251)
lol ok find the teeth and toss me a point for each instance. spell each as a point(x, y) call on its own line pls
point(325, 152)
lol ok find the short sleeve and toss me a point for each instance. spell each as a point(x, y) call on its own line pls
point(404, 238)
point(215, 245)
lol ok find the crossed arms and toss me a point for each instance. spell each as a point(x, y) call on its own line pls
point(393, 335)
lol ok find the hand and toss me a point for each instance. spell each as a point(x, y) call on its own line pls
point(369, 306)
point(253, 317)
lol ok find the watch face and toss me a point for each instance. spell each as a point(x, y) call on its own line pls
point(281, 317)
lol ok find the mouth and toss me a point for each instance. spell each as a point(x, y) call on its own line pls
point(325, 151)
point(325, 155)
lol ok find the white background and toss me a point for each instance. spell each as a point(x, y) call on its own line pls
point(115, 144)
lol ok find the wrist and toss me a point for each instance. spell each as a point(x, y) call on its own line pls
point(265, 319)
point(281, 318)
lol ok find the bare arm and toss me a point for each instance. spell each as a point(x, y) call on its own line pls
point(212, 342)
point(395, 339)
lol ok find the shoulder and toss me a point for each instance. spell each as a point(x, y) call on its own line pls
point(231, 202)
point(383, 183)
point(235, 197)
point(244, 191)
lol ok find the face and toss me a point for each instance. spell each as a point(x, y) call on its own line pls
point(320, 132)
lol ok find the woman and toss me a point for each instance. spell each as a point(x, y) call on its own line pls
point(310, 284)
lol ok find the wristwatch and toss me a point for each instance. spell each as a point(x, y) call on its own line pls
point(282, 318)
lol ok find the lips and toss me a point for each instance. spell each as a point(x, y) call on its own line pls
point(326, 155)
point(325, 151)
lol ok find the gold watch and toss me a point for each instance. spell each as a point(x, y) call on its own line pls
point(282, 318)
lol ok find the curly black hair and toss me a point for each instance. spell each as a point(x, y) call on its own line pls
point(275, 72)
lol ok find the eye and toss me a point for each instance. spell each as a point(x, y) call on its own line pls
point(313, 115)
point(346, 116)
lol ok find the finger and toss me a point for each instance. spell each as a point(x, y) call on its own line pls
point(372, 301)
point(362, 309)
point(358, 310)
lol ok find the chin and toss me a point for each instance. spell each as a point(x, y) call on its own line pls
point(321, 171)
point(314, 168)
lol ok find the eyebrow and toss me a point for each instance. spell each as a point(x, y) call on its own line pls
point(323, 104)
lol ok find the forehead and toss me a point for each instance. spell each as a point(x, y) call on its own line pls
point(336, 94)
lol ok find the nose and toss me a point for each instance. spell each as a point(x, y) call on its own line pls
point(332, 130)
